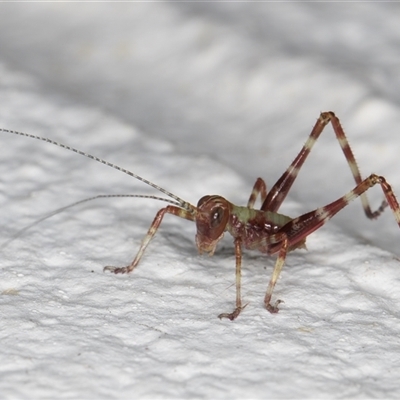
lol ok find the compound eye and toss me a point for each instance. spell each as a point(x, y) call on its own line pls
point(217, 215)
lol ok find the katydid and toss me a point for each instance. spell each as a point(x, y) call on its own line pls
point(262, 229)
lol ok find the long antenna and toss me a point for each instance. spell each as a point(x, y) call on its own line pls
point(61, 209)
point(182, 203)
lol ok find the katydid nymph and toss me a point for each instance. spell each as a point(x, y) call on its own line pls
point(262, 229)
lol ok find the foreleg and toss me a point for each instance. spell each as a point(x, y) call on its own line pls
point(151, 232)
point(239, 307)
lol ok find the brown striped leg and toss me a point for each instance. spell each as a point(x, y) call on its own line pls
point(259, 188)
point(280, 261)
point(281, 188)
point(239, 307)
point(179, 212)
point(299, 228)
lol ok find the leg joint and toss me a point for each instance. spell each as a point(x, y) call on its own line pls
point(326, 117)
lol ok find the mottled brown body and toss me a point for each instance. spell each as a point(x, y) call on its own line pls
point(264, 230)
point(253, 227)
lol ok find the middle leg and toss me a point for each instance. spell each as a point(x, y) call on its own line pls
point(259, 188)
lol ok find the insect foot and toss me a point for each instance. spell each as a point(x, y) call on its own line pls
point(273, 309)
point(117, 270)
point(233, 315)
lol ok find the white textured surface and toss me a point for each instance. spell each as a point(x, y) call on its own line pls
point(200, 98)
